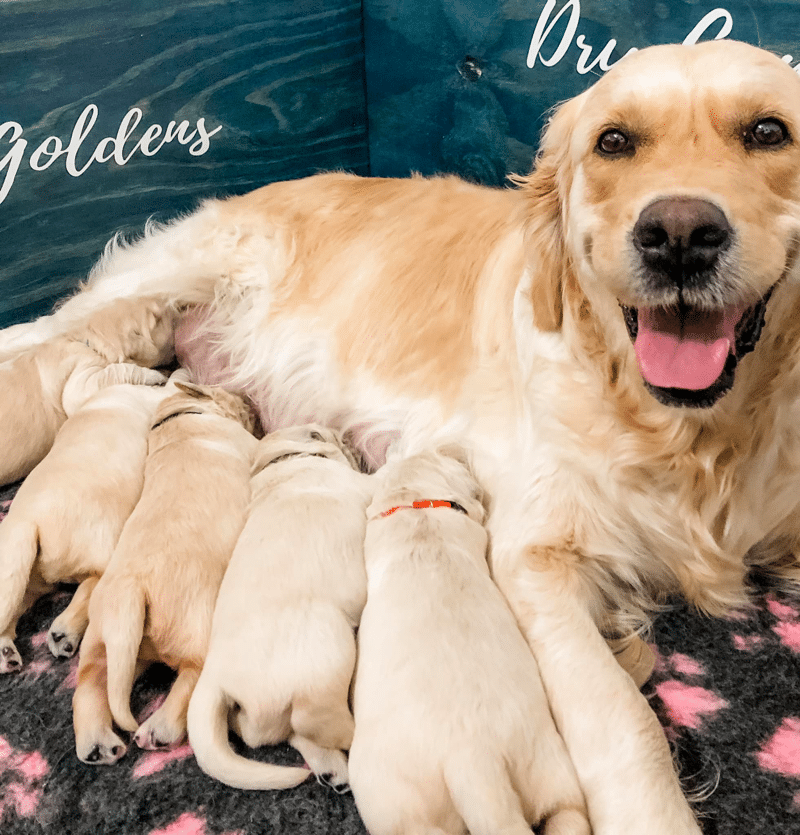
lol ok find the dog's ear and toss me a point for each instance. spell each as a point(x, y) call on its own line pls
point(351, 451)
point(158, 320)
point(258, 428)
point(157, 333)
point(249, 417)
point(260, 459)
point(546, 188)
point(456, 451)
point(193, 390)
point(459, 453)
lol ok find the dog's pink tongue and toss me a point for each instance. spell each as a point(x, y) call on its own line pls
point(688, 354)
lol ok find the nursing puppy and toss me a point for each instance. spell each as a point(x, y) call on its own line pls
point(282, 649)
point(453, 729)
point(67, 515)
point(156, 598)
point(46, 384)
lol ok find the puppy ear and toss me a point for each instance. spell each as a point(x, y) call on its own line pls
point(150, 321)
point(193, 390)
point(456, 451)
point(249, 418)
point(351, 451)
point(258, 428)
point(545, 189)
point(158, 314)
point(263, 455)
point(158, 332)
point(260, 460)
point(459, 453)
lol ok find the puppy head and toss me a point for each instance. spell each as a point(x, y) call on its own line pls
point(139, 330)
point(308, 440)
point(442, 473)
point(190, 397)
point(673, 188)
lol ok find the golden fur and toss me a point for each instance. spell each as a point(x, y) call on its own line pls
point(339, 300)
point(66, 517)
point(49, 382)
point(156, 598)
point(282, 649)
point(453, 729)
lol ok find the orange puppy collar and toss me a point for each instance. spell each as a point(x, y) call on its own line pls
point(423, 504)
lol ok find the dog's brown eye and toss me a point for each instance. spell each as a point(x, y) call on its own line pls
point(614, 142)
point(315, 436)
point(766, 133)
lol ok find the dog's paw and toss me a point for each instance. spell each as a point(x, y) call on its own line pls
point(105, 751)
point(10, 659)
point(151, 377)
point(158, 734)
point(334, 781)
point(330, 769)
point(60, 642)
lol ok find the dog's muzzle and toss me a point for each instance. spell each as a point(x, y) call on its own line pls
point(687, 338)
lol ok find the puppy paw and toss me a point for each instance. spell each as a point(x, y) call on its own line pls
point(105, 751)
point(330, 769)
point(10, 659)
point(62, 643)
point(157, 734)
point(334, 781)
point(151, 377)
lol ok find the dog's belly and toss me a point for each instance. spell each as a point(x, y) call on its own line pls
point(298, 380)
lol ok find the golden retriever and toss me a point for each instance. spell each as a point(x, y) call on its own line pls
point(49, 382)
point(156, 598)
point(617, 337)
point(453, 729)
point(66, 517)
point(282, 650)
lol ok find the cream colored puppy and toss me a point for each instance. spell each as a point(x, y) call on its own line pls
point(67, 515)
point(453, 728)
point(282, 649)
point(46, 384)
point(156, 598)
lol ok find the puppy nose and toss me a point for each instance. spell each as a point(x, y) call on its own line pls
point(681, 234)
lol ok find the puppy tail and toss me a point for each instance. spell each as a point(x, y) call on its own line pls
point(122, 629)
point(19, 547)
point(208, 736)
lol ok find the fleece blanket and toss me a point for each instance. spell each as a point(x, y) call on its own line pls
point(726, 691)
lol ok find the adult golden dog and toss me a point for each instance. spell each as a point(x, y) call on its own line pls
point(595, 334)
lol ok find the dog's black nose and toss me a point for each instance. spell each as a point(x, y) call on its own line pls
point(681, 236)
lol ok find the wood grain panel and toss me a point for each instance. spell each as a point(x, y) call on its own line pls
point(283, 79)
point(448, 82)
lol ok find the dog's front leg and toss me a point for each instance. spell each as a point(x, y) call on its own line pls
point(618, 748)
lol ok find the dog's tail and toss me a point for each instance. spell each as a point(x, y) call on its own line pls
point(122, 626)
point(190, 260)
point(19, 547)
point(208, 736)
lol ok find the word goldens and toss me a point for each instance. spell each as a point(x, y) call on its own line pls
point(107, 149)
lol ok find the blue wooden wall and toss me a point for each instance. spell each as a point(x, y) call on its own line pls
point(281, 82)
point(280, 87)
point(449, 86)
